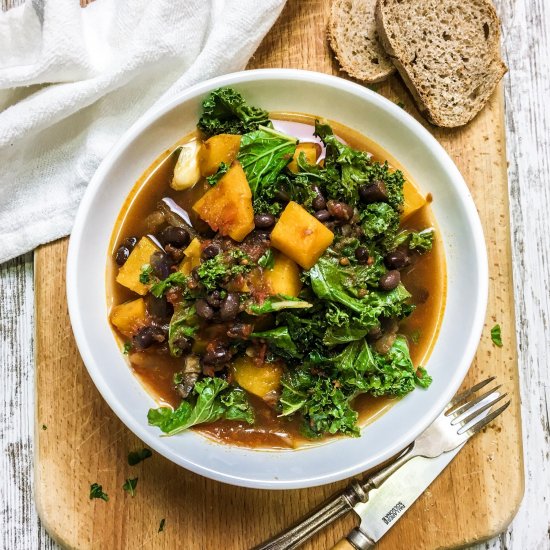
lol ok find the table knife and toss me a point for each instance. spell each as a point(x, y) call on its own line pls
point(389, 503)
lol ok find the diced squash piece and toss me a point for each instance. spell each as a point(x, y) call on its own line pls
point(193, 250)
point(129, 273)
point(186, 171)
point(414, 200)
point(227, 207)
point(300, 236)
point(258, 380)
point(218, 149)
point(284, 278)
point(188, 264)
point(129, 317)
point(310, 150)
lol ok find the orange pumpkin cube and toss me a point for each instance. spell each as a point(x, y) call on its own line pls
point(259, 380)
point(310, 150)
point(128, 274)
point(218, 149)
point(227, 207)
point(300, 236)
point(129, 317)
point(414, 200)
point(284, 278)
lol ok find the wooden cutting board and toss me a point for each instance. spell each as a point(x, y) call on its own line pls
point(79, 440)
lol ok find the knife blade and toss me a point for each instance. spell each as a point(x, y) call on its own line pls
point(389, 502)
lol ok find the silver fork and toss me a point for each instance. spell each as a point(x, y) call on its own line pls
point(467, 414)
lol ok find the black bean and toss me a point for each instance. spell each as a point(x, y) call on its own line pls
point(264, 221)
point(216, 354)
point(204, 309)
point(211, 251)
point(183, 344)
point(319, 202)
point(281, 195)
point(159, 309)
point(148, 336)
point(240, 330)
point(176, 236)
point(340, 210)
point(122, 255)
point(322, 215)
point(214, 298)
point(397, 259)
point(390, 280)
point(229, 308)
point(130, 242)
point(362, 254)
point(375, 192)
point(161, 264)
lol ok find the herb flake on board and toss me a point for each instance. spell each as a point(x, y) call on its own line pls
point(130, 486)
point(96, 491)
point(496, 336)
point(135, 457)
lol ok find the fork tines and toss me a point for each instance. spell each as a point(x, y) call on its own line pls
point(473, 412)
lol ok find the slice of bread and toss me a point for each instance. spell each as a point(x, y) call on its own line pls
point(447, 52)
point(354, 40)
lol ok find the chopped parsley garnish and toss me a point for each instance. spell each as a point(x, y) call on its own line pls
point(127, 347)
point(267, 260)
point(176, 278)
point(130, 486)
point(496, 336)
point(145, 275)
point(135, 457)
point(44, 427)
point(96, 491)
point(161, 526)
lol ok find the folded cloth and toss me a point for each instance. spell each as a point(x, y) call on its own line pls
point(73, 79)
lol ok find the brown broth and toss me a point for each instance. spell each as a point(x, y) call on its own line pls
point(425, 279)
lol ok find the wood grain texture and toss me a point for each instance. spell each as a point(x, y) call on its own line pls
point(86, 443)
point(526, 25)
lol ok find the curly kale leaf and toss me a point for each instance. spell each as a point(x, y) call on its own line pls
point(379, 220)
point(263, 154)
point(323, 388)
point(224, 111)
point(211, 400)
point(184, 324)
point(421, 241)
point(324, 407)
point(351, 168)
point(332, 283)
point(279, 341)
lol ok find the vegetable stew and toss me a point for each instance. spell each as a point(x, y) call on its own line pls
point(275, 279)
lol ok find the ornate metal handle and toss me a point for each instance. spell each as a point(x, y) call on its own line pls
point(335, 508)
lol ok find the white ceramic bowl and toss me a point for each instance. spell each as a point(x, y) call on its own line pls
point(430, 167)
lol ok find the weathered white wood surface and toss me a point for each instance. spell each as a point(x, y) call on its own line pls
point(526, 37)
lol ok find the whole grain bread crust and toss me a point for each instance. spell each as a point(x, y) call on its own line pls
point(430, 100)
point(353, 38)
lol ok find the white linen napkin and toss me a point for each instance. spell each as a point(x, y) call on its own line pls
point(73, 79)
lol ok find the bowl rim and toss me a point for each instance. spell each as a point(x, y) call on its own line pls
point(428, 140)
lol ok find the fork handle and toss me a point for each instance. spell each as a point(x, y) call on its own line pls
point(328, 512)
